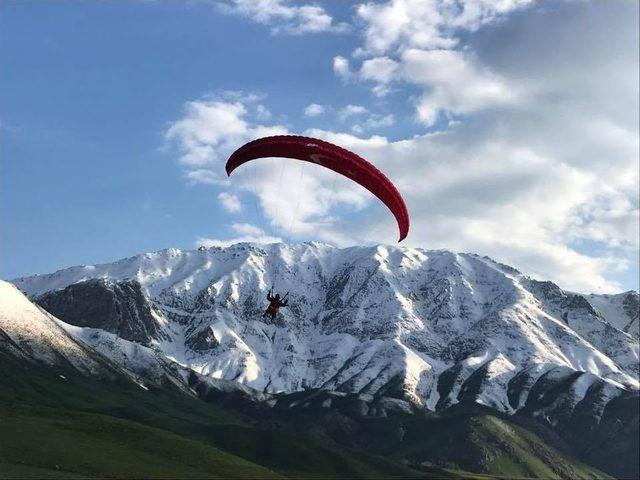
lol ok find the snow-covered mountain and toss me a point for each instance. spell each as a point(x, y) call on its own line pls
point(621, 310)
point(31, 334)
point(433, 327)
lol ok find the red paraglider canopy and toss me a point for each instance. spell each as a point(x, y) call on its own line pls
point(332, 157)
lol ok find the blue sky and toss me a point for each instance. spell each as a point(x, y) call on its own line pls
point(106, 104)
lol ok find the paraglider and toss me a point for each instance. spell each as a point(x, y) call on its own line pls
point(275, 302)
point(334, 158)
point(330, 156)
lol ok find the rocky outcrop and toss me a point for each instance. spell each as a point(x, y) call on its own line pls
point(203, 341)
point(116, 307)
point(631, 305)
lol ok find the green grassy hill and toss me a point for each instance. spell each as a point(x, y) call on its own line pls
point(55, 427)
point(490, 444)
point(476, 440)
point(56, 424)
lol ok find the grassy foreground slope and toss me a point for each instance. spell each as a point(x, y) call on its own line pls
point(53, 442)
point(494, 445)
point(55, 424)
point(480, 440)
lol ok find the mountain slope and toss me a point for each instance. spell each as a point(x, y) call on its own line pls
point(31, 333)
point(436, 327)
point(72, 412)
point(65, 425)
point(621, 310)
point(403, 329)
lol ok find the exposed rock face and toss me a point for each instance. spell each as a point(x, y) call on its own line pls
point(579, 304)
point(631, 304)
point(120, 308)
point(203, 341)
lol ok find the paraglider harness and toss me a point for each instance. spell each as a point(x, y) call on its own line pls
point(275, 302)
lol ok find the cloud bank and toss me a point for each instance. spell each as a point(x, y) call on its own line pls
point(530, 146)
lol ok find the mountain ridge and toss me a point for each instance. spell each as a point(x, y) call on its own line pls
point(424, 313)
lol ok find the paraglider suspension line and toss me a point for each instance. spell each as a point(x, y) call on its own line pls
point(295, 212)
point(279, 187)
point(255, 194)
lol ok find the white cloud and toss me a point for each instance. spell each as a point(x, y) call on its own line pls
point(365, 119)
point(341, 67)
point(246, 233)
point(284, 16)
point(454, 83)
point(206, 125)
point(612, 219)
point(202, 176)
point(262, 113)
point(426, 24)
point(417, 42)
point(380, 69)
point(247, 229)
point(230, 202)
point(313, 110)
point(351, 110)
point(380, 121)
point(373, 122)
point(211, 129)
